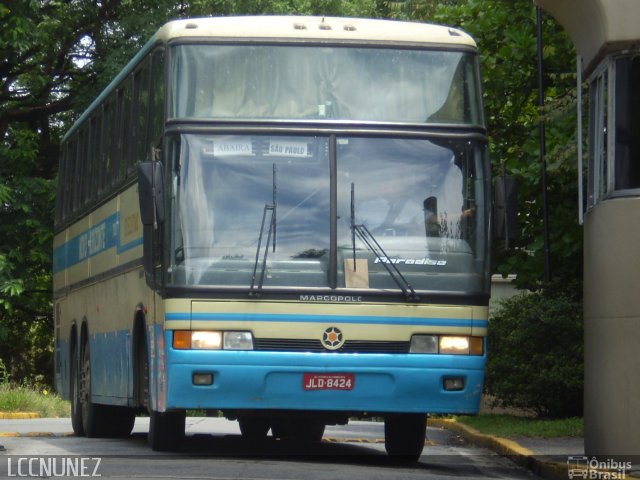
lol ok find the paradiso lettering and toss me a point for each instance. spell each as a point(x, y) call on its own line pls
point(411, 261)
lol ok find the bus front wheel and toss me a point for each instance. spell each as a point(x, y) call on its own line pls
point(404, 436)
point(166, 430)
point(254, 429)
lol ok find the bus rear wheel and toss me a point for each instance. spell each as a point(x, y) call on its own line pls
point(404, 436)
point(74, 394)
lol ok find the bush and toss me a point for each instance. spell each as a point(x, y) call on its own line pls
point(535, 353)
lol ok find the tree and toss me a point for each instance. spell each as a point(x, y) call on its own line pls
point(506, 34)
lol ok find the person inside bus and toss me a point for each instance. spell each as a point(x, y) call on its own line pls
point(436, 226)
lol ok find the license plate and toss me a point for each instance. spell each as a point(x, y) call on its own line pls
point(329, 381)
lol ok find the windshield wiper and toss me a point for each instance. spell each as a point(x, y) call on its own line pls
point(374, 246)
point(253, 290)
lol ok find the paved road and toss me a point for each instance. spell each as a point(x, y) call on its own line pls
point(214, 449)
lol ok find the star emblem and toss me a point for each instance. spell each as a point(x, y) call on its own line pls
point(332, 338)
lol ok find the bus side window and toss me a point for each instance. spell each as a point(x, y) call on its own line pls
point(156, 99)
point(94, 157)
point(60, 214)
point(107, 145)
point(141, 116)
point(125, 120)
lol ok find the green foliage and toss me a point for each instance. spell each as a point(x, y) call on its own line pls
point(535, 353)
point(25, 259)
point(506, 35)
point(15, 398)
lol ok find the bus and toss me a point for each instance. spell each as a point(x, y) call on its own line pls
point(282, 219)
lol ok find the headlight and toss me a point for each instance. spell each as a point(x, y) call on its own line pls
point(212, 340)
point(447, 345)
point(206, 340)
point(454, 345)
point(424, 344)
point(238, 341)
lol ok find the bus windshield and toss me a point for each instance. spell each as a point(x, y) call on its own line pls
point(423, 200)
point(336, 83)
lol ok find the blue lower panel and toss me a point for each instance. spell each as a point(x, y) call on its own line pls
point(62, 368)
point(111, 376)
point(110, 367)
point(273, 380)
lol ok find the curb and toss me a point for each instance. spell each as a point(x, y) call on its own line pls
point(541, 465)
point(18, 415)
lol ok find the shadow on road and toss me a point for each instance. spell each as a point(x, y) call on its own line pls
point(370, 455)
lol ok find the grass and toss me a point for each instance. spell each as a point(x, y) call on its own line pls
point(26, 399)
point(513, 426)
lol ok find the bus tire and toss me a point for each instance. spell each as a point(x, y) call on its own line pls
point(254, 429)
point(166, 430)
point(404, 436)
point(120, 421)
point(308, 431)
point(74, 394)
point(298, 430)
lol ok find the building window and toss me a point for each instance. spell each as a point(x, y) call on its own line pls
point(614, 129)
point(598, 135)
point(627, 124)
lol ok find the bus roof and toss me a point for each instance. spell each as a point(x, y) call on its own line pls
point(314, 28)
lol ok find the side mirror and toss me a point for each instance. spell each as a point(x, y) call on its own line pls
point(505, 208)
point(151, 193)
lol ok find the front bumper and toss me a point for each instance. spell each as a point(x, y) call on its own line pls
point(249, 380)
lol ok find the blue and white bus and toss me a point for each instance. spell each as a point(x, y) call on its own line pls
point(283, 219)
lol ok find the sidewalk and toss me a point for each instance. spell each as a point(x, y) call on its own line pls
point(547, 458)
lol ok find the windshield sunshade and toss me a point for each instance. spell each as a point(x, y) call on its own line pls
point(234, 82)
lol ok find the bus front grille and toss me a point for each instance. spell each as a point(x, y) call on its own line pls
point(315, 346)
